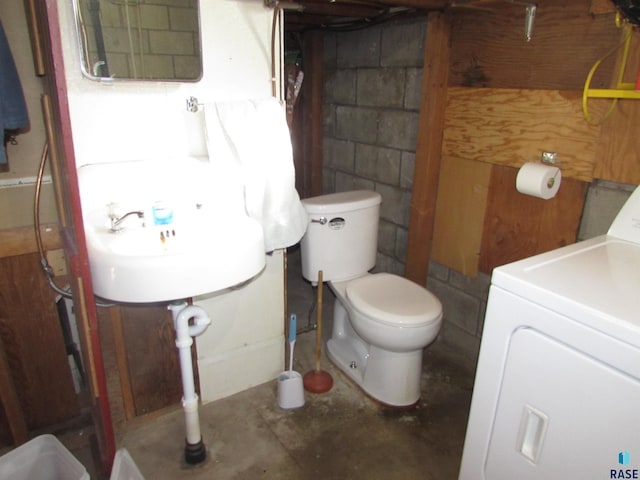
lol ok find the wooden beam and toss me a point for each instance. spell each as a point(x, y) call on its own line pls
point(332, 9)
point(428, 149)
point(421, 4)
point(313, 111)
point(10, 402)
point(22, 240)
point(115, 315)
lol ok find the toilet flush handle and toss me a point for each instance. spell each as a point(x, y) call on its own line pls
point(321, 220)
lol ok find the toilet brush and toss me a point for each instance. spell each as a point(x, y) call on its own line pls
point(292, 341)
point(318, 381)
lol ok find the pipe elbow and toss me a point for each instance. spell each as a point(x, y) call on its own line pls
point(201, 322)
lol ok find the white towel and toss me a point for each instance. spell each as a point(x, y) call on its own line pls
point(254, 134)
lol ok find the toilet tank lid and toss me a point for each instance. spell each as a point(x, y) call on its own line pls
point(342, 201)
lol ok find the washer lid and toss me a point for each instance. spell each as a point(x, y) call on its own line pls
point(394, 300)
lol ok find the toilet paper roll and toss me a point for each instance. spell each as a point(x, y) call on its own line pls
point(538, 180)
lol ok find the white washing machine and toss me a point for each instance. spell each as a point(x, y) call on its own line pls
point(557, 389)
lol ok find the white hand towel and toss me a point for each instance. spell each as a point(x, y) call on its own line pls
point(254, 134)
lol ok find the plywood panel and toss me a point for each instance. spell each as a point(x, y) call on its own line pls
point(154, 368)
point(489, 48)
point(511, 127)
point(35, 349)
point(141, 360)
point(462, 198)
point(10, 402)
point(517, 226)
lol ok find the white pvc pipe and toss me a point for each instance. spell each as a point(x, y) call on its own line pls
point(182, 314)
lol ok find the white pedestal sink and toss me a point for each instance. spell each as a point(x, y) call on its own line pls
point(208, 244)
point(164, 231)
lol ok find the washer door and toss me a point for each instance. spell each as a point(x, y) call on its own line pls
point(562, 413)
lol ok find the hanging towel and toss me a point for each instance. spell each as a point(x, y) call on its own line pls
point(13, 109)
point(254, 135)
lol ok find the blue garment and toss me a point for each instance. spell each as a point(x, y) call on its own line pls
point(13, 109)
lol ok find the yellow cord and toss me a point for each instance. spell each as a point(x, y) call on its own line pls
point(587, 85)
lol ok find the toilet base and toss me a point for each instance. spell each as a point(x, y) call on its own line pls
point(391, 378)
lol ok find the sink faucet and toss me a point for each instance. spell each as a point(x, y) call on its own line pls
point(117, 221)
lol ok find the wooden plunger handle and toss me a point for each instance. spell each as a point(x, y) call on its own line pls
point(319, 322)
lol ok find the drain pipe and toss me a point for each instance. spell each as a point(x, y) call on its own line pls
point(194, 451)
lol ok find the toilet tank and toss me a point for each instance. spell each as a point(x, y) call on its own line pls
point(342, 236)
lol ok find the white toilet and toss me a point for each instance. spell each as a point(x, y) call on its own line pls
point(381, 322)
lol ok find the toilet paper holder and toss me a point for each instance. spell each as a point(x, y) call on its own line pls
point(550, 158)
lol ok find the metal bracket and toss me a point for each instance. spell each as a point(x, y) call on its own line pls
point(550, 158)
point(192, 104)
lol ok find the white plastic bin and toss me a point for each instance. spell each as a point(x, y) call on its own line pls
point(43, 458)
point(124, 468)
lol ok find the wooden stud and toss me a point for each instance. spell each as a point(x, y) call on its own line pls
point(428, 149)
point(10, 401)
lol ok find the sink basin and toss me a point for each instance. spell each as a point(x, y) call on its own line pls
point(207, 244)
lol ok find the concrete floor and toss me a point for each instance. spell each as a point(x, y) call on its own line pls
point(341, 434)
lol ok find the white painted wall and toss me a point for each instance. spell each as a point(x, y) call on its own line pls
point(243, 346)
point(128, 120)
point(17, 187)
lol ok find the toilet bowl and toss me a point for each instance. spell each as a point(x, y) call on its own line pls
point(381, 321)
point(378, 338)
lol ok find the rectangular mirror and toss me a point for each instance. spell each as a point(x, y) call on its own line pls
point(139, 39)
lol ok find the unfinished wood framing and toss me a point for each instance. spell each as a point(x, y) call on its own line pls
point(428, 149)
point(22, 240)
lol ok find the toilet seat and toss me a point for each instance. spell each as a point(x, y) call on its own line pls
point(393, 300)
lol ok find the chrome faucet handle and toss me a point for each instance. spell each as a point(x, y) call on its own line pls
point(116, 222)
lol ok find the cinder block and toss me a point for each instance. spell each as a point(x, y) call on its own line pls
point(438, 271)
point(381, 87)
point(468, 346)
point(478, 286)
point(329, 50)
point(396, 203)
point(398, 129)
point(329, 120)
point(339, 154)
point(403, 43)
point(360, 48)
point(413, 88)
point(340, 87)
point(401, 243)
point(458, 307)
point(378, 163)
point(346, 182)
point(407, 166)
point(387, 238)
point(385, 263)
point(604, 201)
point(357, 124)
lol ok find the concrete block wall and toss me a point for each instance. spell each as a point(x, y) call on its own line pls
point(371, 104)
point(464, 299)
